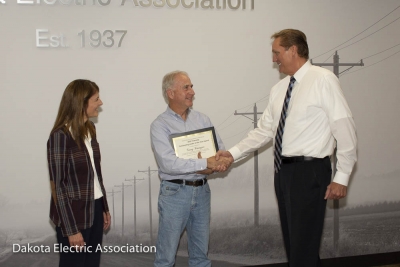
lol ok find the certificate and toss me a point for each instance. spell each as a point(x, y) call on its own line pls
point(187, 145)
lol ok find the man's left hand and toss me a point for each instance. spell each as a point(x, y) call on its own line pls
point(335, 191)
point(205, 172)
point(107, 220)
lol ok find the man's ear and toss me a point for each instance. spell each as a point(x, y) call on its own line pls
point(293, 49)
point(170, 93)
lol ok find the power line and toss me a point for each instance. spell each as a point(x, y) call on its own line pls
point(228, 118)
point(370, 57)
point(229, 123)
point(373, 63)
point(381, 51)
point(251, 105)
point(358, 33)
point(238, 133)
point(328, 57)
point(346, 70)
point(369, 34)
point(258, 101)
point(224, 121)
point(263, 99)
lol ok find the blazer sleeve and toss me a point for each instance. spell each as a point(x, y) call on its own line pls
point(57, 156)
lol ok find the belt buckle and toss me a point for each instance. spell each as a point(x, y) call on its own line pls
point(199, 182)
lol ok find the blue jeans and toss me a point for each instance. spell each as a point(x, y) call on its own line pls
point(180, 207)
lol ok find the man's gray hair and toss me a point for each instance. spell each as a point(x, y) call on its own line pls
point(168, 81)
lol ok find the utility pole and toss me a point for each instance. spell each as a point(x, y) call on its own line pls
point(123, 199)
point(151, 220)
point(112, 194)
point(134, 202)
point(336, 66)
point(256, 187)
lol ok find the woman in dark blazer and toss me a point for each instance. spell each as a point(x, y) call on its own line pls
point(78, 205)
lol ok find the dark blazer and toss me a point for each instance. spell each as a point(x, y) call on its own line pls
point(72, 182)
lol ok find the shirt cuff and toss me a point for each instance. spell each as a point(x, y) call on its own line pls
point(236, 154)
point(201, 164)
point(341, 178)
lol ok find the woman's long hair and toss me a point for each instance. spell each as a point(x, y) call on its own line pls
point(72, 111)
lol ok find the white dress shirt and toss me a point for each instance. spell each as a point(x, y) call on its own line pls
point(318, 114)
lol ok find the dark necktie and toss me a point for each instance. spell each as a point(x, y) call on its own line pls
point(281, 127)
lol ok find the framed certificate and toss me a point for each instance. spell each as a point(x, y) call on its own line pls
point(187, 145)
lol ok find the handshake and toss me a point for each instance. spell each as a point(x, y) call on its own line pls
point(218, 163)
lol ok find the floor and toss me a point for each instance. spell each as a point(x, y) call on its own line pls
point(376, 260)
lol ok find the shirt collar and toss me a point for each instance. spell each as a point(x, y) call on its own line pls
point(173, 113)
point(302, 71)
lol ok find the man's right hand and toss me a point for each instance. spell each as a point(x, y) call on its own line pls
point(76, 240)
point(220, 162)
point(223, 153)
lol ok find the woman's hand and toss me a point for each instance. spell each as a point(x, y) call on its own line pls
point(107, 220)
point(76, 240)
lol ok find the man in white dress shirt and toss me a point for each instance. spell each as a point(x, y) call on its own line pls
point(317, 115)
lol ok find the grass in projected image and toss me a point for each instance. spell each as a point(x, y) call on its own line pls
point(229, 246)
point(367, 234)
point(359, 235)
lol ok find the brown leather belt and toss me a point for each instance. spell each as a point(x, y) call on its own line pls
point(199, 182)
